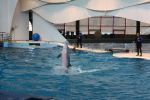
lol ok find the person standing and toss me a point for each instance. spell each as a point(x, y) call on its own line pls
point(79, 40)
point(138, 42)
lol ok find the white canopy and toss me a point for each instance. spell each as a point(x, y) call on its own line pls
point(64, 13)
point(139, 12)
point(105, 5)
point(55, 1)
point(14, 13)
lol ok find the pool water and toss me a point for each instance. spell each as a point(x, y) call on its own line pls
point(93, 76)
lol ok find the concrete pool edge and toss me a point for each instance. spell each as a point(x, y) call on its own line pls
point(145, 56)
point(30, 44)
point(89, 49)
point(45, 44)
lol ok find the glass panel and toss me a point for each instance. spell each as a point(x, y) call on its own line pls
point(119, 21)
point(70, 26)
point(107, 21)
point(131, 30)
point(130, 22)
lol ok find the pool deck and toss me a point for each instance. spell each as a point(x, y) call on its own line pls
point(132, 55)
point(88, 49)
point(119, 55)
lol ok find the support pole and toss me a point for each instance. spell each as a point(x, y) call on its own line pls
point(137, 27)
point(77, 27)
point(31, 20)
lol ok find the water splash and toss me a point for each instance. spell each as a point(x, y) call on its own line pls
point(60, 70)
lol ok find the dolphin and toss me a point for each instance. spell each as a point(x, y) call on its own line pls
point(65, 57)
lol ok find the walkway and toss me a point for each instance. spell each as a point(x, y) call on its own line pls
point(132, 55)
point(119, 55)
point(89, 49)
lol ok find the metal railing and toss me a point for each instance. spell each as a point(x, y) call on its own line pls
point(5, 36)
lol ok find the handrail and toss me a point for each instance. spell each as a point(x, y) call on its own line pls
point(2, 32)
point(4, 36)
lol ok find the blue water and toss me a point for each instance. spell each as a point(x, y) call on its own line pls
point(93, 76)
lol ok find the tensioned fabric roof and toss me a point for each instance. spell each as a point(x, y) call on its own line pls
point(55, 1)
point(138, 12)
point(105, 5)
point(64, 11)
